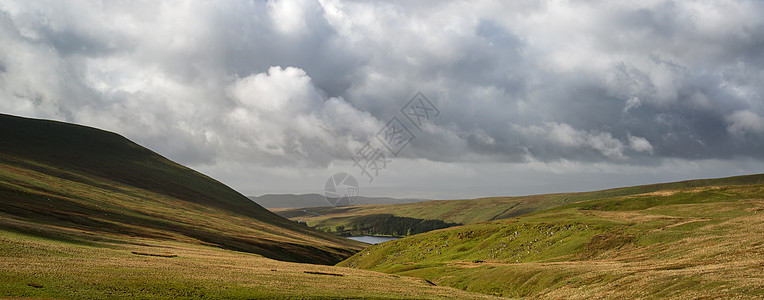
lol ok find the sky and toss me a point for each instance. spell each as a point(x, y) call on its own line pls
point(522, 97)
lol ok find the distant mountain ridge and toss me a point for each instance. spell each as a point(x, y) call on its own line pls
point(317, 200)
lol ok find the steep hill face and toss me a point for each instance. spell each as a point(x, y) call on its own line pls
point(692, 239)
point(76, 182)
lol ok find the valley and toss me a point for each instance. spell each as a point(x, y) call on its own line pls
point(87, 214)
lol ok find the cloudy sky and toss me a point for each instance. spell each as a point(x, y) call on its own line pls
point(276, 96)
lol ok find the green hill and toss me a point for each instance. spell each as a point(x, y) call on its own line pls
point(479, 210)
point(702, 238)
point(58, 175)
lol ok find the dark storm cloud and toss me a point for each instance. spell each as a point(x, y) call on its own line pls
point(292, 84)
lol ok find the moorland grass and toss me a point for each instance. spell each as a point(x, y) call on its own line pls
point(496, 208)
point(680, 243)
point(33, 266)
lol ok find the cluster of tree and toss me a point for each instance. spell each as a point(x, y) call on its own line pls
point(389, 225)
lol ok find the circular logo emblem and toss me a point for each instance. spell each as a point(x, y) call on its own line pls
point(341, 189)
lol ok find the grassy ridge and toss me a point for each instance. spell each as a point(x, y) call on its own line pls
point(485, 209)
point(679, 241)
point(60, 175)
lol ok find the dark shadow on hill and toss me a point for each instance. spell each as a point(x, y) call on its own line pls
point(51, 210)
point(384, 224)
point(81, 152)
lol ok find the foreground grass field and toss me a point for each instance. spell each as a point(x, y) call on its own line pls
point(133, 268)
point(684, 243)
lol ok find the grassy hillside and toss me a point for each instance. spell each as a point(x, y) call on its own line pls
point(58, 175)
point(142, 268)
point(87, 214)
point(482, 209)
point(681, 240)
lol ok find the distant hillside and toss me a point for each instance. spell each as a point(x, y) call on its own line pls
point(317, 200)
point(484, 209)
point(691, 239)
point(56, 176)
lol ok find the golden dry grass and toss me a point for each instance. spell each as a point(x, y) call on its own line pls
point(693, 244)
point(109, 270)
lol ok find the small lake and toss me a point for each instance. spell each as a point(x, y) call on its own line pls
point(372, 239)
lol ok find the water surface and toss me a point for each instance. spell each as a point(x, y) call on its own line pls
point(372, 239)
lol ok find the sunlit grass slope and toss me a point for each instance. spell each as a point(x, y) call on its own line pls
point(678, 241)
point(144, 268)
point(56, 175)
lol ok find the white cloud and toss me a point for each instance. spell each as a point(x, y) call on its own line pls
point(640, 144)
point(282, 116)
point(597, 140)
point(280, 91)
point(633, 102)
point(744, 121)
point(288, 16)
point(566, 136)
